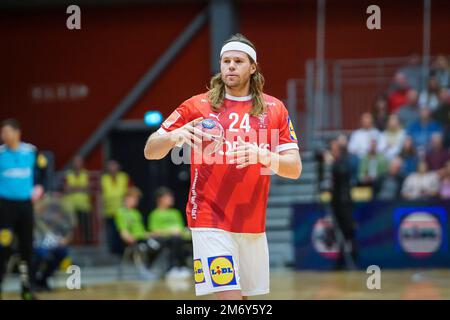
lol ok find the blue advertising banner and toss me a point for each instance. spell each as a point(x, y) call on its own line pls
point(388, 234)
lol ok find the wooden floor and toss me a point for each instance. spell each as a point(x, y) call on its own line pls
point(405, 284)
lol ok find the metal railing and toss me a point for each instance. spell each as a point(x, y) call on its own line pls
point(349, 88)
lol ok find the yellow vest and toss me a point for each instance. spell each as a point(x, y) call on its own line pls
point(78, 200)
point(113, 192)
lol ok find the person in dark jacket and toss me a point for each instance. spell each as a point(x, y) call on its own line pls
point(389, 185)
point(341, 201)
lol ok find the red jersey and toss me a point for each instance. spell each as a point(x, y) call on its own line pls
point(222, 196)
point(397, 99)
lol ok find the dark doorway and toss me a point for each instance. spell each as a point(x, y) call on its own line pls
point(127, 147)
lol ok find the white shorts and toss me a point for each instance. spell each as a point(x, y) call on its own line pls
point(230, 261)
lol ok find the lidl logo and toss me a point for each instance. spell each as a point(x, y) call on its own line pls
point(291, 130)
point(222, 271)
point(199, 275)
point(6, 237)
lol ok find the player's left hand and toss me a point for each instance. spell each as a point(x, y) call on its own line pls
point(247, 153)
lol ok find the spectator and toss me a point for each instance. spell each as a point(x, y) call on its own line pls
point(391, 140)
point(115, 184)
point(430, 97)
point(441, 71)
point(372, 165)
point(409, 157)
point(129, 223)
point(422, 129)
point(360, 139)
point(54, 225)
point(442, 114)
point(444, 189)
point(389, 185)
point(129, 220)
point(166, 225)
point(409, 113)
point(380, 112)
point(421, 184)
point(397, 97)
point(77, 194)
point(437, 155)
point(413, 72)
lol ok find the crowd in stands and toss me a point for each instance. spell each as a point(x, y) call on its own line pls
point(67, 214)
point(402, 148)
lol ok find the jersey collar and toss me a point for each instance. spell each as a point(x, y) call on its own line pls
point(230, 97)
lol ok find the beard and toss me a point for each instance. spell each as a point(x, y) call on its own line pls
point(231, 84)
point(236, 83)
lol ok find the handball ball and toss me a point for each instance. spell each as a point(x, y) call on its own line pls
point(214, 135)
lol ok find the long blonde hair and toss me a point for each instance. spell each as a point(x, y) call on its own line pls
point(216, 89)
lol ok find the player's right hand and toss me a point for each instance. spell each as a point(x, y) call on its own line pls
point(188, 134)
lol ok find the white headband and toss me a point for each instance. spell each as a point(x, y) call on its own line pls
point(239, 46)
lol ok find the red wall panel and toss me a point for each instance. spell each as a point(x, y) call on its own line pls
point(284, 36)
point(188, 75)
point(440, 27)
point(348, 36)
point(115, 46)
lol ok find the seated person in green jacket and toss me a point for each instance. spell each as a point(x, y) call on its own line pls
point(166, 225)
point(129, 220)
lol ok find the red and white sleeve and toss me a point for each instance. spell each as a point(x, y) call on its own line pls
point(178, 118)
point(287, 137)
